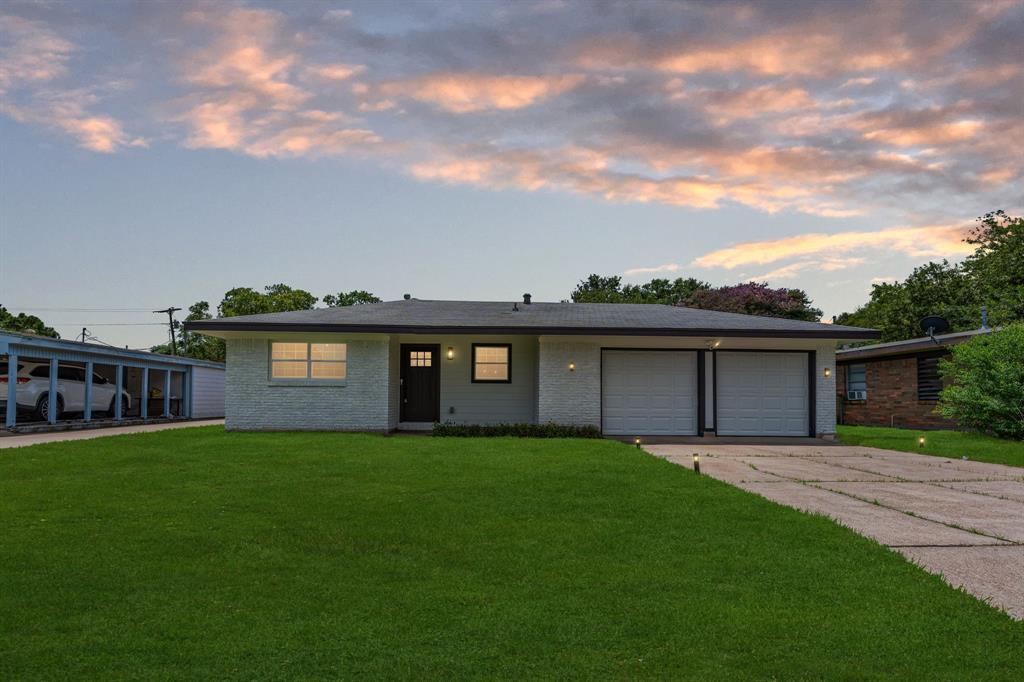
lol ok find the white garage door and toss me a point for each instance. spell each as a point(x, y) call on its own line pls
point(762, 394)
point(649, 393)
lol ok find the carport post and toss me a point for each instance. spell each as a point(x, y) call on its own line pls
point(186, 393)
point(167, 393)
point(144, 402)
point(51, 398)
point(12, 390)
point(87, 409)
point(118, 386)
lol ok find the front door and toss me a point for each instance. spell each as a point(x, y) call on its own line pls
point(421, 383)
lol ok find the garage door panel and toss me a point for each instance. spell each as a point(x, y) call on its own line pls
point(762, 394)
point(649, 392)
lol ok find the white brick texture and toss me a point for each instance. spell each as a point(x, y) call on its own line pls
point(825, 390)
point(254, 403)
point(566, 397)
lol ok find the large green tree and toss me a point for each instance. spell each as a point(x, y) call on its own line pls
point(599, 289)
point(992, 277)
point(346, 298)
point(25, 323)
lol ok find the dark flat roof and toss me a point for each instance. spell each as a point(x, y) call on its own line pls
point(498, 317)
point(909, 346)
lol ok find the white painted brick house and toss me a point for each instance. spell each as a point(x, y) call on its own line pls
point(631, 370)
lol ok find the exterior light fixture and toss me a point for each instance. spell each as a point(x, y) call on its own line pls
point(572, 366)
point(451, 353)
point(920, 442)
point(714, 344)
point(637, 441)
point(828, 372)
point(696, 463)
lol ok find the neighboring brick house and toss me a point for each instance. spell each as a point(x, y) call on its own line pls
point(895, 384)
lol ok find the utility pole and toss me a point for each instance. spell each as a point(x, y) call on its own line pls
point(84, 330)
point(170, 323)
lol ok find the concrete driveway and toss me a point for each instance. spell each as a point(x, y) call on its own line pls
point(961, 519)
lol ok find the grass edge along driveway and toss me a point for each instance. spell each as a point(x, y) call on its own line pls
point(952, 444)
point(205, 554)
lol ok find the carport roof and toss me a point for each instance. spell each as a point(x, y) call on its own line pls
point(499, 317)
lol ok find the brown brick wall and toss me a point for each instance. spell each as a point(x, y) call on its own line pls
point(892, 397)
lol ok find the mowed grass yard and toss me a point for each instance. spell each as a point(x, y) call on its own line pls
point(201, 554)
point(955, 444)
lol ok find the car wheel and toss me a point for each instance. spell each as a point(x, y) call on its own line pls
point(124, 408)
point(42, 411)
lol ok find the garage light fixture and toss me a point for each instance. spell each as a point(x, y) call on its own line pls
point(828, 372)
point(714, 344)
point(451, 353)
point(572, 366)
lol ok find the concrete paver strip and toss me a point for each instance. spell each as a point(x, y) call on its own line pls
point(958, 518)
point(888, 526)
point(20, 440)
point(978, 513)
point(994, 574)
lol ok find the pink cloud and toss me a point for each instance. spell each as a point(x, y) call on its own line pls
point(470, 92)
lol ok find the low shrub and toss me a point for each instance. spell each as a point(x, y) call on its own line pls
point(449, 429)
point(987, 390)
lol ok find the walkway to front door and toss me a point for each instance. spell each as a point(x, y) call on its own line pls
point(960, 519)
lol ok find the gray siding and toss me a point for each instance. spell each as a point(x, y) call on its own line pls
point(482, 403)
point(207, 393)
point(255, 403)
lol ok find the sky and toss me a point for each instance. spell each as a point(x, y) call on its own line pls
point(155, 154)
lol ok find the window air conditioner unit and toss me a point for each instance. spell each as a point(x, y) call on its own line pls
point(856, 395)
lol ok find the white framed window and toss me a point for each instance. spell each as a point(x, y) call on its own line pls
point(310, 361)
point(492, 363)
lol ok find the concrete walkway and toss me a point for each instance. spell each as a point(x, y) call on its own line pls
point(19, 440)
point(960, 519)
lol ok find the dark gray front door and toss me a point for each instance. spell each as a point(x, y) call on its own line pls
point(421, 383)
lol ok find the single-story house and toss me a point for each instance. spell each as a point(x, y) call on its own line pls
point(632, 370)
point(896, 383)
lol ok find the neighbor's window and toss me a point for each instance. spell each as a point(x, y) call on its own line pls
point(857, 378)
point(308, 361)
point(929, 383)
point(492, 363)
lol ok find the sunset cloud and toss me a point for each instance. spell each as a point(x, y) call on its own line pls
point(918, 242)
point(464, 93)
point(654, 270)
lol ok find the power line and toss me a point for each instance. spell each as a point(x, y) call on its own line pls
point(78, 310)
point(107, 324)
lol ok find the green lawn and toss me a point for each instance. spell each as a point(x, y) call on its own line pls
point(953, 444)
point(200, 554)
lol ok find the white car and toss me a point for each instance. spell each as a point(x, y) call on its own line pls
point(34, 390)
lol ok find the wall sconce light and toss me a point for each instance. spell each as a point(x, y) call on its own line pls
point(572, 366)
point(696, 463)
point(451, 353)
point(828, 372)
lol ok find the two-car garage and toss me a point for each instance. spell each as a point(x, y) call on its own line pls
point(687, 392)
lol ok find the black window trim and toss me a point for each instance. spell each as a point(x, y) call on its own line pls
point(472, 363)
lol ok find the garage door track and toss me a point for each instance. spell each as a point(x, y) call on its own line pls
point(961, 519)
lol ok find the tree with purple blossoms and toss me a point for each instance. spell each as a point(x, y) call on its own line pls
point(755, 298)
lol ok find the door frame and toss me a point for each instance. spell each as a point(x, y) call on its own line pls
point(435, 368)
point(812, 376)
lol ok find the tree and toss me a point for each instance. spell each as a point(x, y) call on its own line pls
point(25, 323)
point(996, 267)
point(756, 298)
point(896, 309)
point(598, 289)
point(987, 389)
point(279, 298)
point(354, 297)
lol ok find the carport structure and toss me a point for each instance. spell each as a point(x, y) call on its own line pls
point(154, 386)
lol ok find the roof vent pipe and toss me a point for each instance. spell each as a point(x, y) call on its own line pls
point(526, 299)
point(984, 317)
point(406, 296)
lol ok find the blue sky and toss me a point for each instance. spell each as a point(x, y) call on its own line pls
point(157, 154)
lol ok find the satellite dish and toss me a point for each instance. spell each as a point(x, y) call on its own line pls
point(933, 324)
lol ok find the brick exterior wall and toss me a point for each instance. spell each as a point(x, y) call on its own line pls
point(892, 397)
point(565, 397)
point(254, 403)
